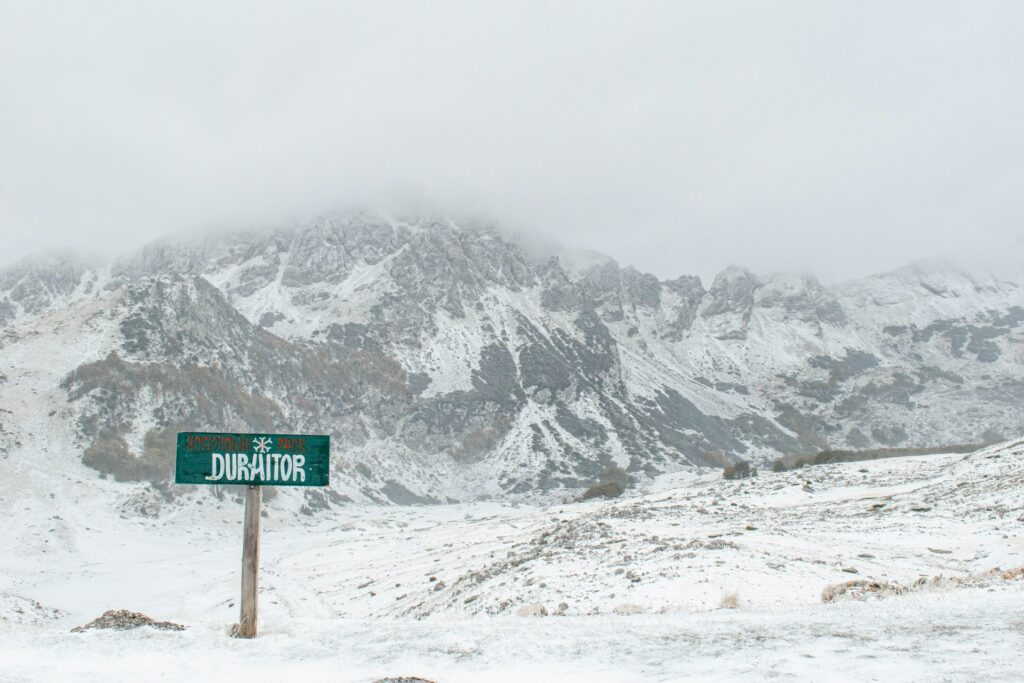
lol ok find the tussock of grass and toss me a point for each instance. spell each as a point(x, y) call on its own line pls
point(730, 600)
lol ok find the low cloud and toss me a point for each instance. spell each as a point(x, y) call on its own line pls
point(842, 138)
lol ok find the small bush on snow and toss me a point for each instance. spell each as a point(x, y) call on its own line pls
point(613, 484)
point(739, 470)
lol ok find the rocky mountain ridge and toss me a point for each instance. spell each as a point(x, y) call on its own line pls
point(449, 362)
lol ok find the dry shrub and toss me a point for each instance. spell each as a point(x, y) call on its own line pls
point(730, 600)
point(739, 470)
point(613, 484)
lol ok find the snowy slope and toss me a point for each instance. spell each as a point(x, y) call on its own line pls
point(368, 591)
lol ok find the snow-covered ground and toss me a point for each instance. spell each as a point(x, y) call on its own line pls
point(364, 592)
point(969, 635)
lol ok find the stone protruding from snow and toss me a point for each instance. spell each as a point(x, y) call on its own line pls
point(534, 609)
point(123, 620)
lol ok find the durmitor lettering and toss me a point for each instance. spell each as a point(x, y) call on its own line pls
point(257, 467)
point(252, 459)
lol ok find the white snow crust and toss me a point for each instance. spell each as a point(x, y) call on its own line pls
point(349, 595)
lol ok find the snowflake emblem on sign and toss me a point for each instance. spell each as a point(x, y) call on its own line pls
point(262, 445)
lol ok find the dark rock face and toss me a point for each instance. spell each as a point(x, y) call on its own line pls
point(978, 340)
point(842, 369)
point(445, 363)
point(35, 284)
point(690, 293)
point(558, 292)
point(802, 298)
point(730, 302)
point(7, 312)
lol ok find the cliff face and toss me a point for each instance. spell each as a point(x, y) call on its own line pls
point(447, 363)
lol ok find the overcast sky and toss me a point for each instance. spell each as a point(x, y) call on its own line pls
point(843, 138)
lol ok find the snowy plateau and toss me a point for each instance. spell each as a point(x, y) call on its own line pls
point(473, 388)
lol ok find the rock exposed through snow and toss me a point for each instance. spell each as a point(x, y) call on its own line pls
point(862, 589)
point(123, 620)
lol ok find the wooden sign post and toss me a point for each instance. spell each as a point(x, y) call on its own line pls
point(250, 564)
point(252, 460)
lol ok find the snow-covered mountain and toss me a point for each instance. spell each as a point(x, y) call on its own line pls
point(450, 362)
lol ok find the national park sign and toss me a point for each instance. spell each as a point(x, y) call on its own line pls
point(252, 459)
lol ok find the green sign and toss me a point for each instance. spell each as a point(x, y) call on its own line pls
point(253, 459)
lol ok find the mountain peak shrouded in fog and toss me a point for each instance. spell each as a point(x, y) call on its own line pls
point(450, 360)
